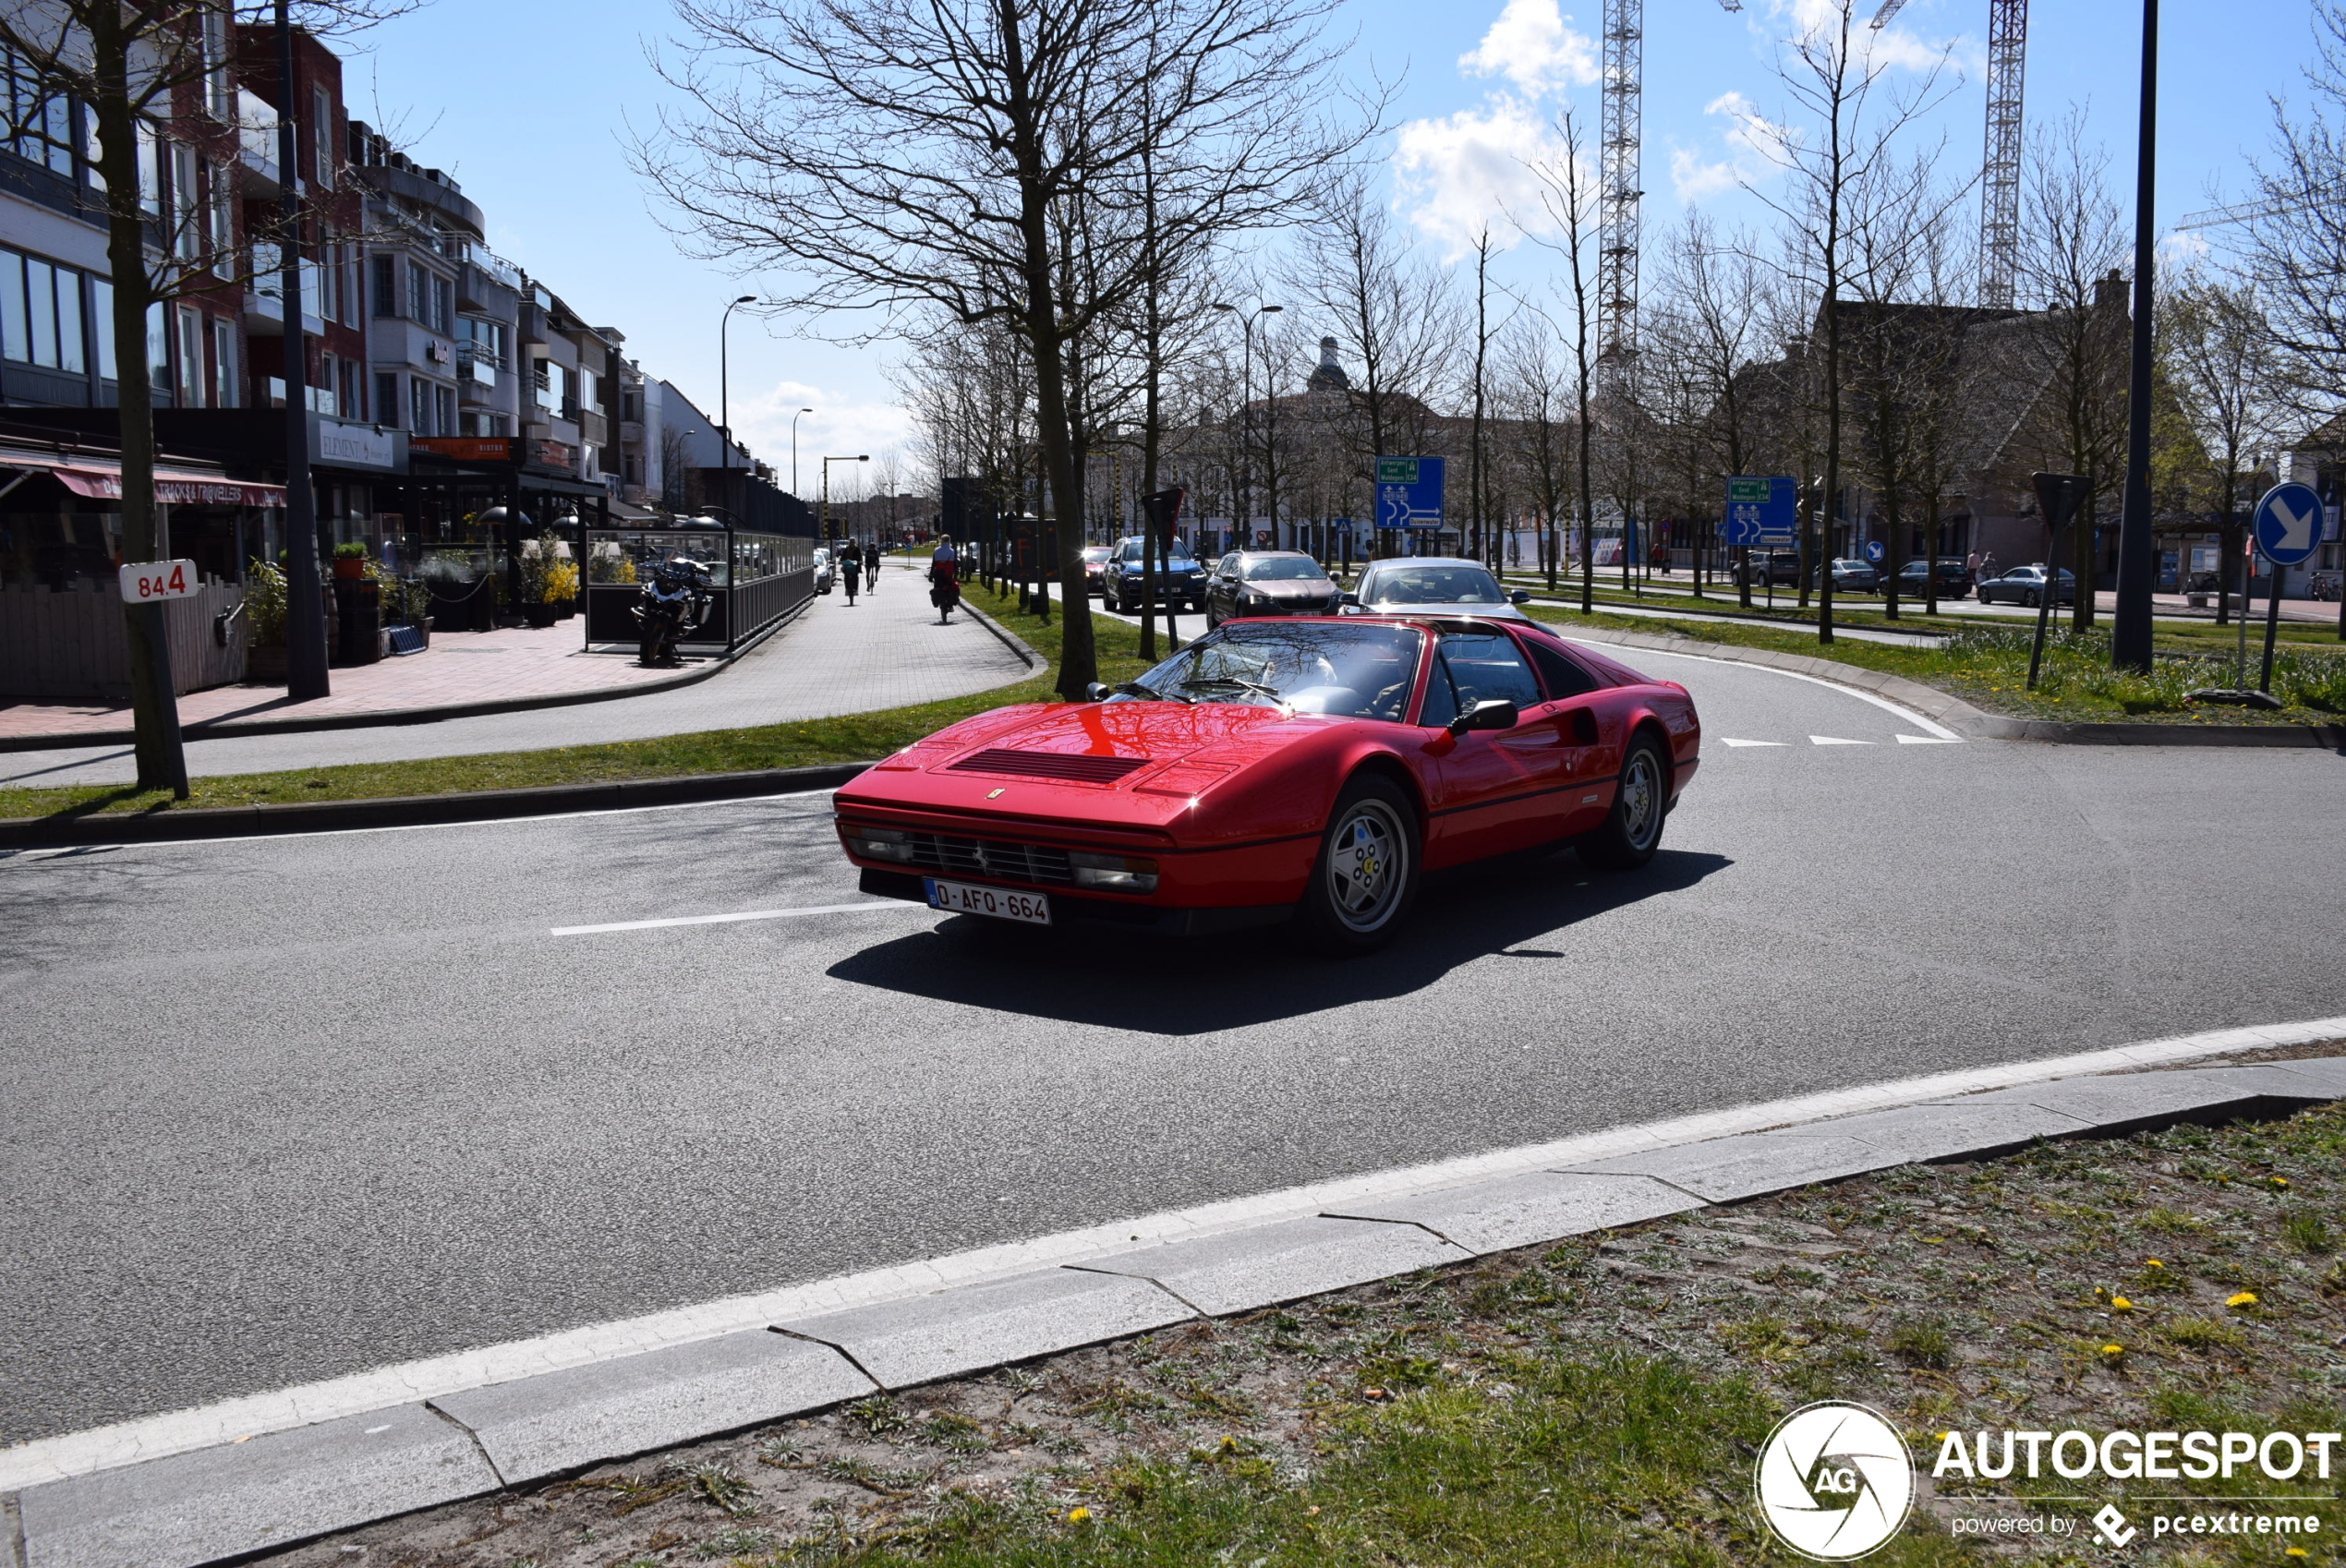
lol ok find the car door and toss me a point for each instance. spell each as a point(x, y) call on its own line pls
point(1493, 788)
point(1587, 740)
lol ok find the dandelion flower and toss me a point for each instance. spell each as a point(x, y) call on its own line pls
point(2153, 1263)
point(2279, 1181)
point(1077, 1515)
point(2245, 1298)
point(2113, 1350)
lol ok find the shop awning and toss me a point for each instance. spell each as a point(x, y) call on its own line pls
point(174, 487)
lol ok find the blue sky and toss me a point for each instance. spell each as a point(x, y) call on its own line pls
point(527, 102)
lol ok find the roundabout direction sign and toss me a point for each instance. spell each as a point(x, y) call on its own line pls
point(1408, 492)
point(2289, 524)
point(2288, 529)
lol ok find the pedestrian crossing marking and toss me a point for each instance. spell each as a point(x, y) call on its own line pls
point(1726, 743)
point(1930, 740)
point(1835, 740)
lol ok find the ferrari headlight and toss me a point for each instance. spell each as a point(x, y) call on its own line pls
point(1115, 874)
point(880, 843)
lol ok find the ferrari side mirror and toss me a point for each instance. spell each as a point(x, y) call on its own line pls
point(1351, 599)
point(1520, 595)
point(1492, 713)
point(1097, 693)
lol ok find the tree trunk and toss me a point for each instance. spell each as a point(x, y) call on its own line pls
point(154, 706)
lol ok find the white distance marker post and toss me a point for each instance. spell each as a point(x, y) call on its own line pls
point(149, 582)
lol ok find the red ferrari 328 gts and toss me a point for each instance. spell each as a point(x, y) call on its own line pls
point(1306, 770)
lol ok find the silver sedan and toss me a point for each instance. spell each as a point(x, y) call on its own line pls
point(1434, 584)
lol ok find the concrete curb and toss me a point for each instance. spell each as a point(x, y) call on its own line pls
point(410, 810)
point(1011, 639)
point(228, 1500)
point(229, 728)
point(1962, 717)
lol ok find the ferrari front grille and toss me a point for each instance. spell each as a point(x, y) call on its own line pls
point(991, 857)
point(1061, 766)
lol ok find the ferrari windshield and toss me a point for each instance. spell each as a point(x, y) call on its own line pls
point(1434, 584)
point(1299, 666)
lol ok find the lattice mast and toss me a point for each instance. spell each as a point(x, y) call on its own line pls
point(1617, 187)
point(2000, 175)
point(2000, 170)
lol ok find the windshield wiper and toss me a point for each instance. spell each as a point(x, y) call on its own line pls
point(1255, 686)
point(1135, 689)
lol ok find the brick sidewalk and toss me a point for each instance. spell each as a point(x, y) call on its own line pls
point(886, 652)
point(459, 668)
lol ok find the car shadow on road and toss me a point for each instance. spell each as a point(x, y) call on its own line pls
point(1083, 975)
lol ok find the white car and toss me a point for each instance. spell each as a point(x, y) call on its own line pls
point(822, 570)
point(1433, 585)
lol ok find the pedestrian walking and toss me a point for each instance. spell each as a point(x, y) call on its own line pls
point(851, 569)
point(1987, 568)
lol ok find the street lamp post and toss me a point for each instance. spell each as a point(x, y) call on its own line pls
point(794, 448)
point(861, 457)
point(1246, 407)
point(725, 397)
point(2130, 631)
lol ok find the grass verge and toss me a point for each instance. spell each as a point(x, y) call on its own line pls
point(1598, 1402)
point(853, 738)
point(1989, 666)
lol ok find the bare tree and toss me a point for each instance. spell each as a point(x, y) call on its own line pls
point(136, 67)
point(2071, 269)
point(2296, 233)
point(2218, 360)
point(1714, 311)
point(1568, 197)
point(1852, 124)
point(1392, 310)
point(892, 154)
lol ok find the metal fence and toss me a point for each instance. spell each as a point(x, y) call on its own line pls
point(758, 578)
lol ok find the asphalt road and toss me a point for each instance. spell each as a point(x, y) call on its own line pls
point(282, 1109)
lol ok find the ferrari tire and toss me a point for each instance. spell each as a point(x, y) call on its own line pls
point(1632, 829)
point(1365, 877)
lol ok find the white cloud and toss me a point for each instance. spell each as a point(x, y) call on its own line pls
point(1753, 145)
point(1531, 46)
point(837, 426)
point(1891, 46)
point(1457, 175)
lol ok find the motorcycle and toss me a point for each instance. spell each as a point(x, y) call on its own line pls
point(670, 608)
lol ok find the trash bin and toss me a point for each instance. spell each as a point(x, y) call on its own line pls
point(359, 614)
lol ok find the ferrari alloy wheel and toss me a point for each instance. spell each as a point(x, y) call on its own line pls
point(1632, 829)
point(1367, 872)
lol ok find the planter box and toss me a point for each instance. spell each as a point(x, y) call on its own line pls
point(348, 569)
point(466, 610)
point(265, 667)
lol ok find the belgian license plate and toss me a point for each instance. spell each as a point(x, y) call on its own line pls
point(1002, 903)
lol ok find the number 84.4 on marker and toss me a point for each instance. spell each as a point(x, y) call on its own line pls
point(146, 582)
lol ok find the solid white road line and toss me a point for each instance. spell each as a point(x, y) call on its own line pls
point(294, 835)
point(1927, 741)
point(1909, 715)
point(894, 904)
point(103, 1448)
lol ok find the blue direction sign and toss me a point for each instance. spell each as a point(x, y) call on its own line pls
point(1408, 492)
point(1874, 552)
point(2289, 524)
point(1340, 524)
point(1760, 510)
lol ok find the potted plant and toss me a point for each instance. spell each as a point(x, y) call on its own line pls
point(350, 562)
point(548, 578)
point(264, 609)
